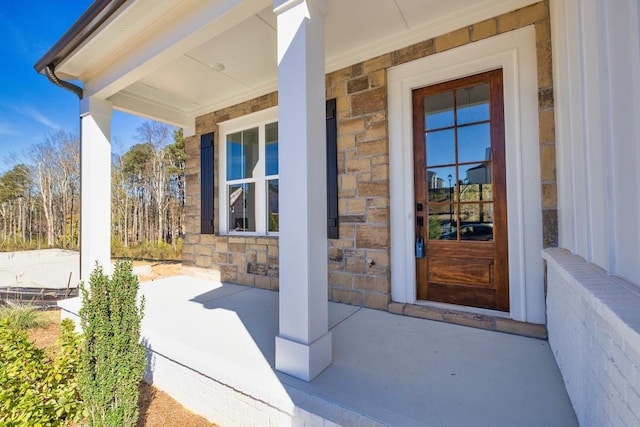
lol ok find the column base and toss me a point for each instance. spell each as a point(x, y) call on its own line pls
point(303, 361)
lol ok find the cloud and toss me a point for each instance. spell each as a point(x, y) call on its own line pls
point(34, 114)
point(8, 130)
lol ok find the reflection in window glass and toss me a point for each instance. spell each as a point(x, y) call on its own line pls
point(441, 147)
point(271, 148)
point(438, 110)
point(272, 203)
point(474, 143)
point(242, 207)
point(441, 184)
point(472, 104)
point(242, 154)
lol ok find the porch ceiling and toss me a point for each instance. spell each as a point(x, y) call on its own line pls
point(173, 61)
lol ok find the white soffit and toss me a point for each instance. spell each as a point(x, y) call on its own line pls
point(192, 83)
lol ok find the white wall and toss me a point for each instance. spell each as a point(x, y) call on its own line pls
point(596, 56)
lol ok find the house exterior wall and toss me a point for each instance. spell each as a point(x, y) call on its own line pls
point(359, 271)
point(593, 296)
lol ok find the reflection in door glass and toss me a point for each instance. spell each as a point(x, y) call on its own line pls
point(441, 221)
point(474, 143)
point(441, 184)
point(438, 111)
point(472, 104)
point(441, 147)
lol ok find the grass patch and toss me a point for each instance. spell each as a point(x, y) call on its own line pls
point(22, 316)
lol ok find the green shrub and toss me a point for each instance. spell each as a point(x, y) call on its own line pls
point(37, 389)
point(22, 316)
point(113, 360)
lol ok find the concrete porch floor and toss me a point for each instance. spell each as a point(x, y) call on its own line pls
point(387, 369)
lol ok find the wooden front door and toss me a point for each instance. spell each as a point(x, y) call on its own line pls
point(460, 192)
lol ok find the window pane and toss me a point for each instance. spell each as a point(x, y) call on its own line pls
point(438, 110)
point(271, 148)
point(441, 184)
point(242, 154)
point(440, 222)
point(473, 104)
point(474, 143)
point(242, 207)
point(272, 203)
point(441, 147)
point(477, 184)
point(476, 221)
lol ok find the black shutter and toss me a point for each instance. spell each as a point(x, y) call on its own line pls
point(206, 183)
point(332, 170)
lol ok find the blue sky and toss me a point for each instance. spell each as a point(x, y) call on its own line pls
point(30, 106)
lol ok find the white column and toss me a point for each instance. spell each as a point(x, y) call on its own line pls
point(303, 346)
point(95, 185)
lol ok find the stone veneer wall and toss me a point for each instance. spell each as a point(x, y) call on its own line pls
point(359, 271)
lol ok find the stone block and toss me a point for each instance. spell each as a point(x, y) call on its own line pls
point(423, 312)
point(237, 258)
point(347, 296)
point(372, 283)
point(372, 237)
point(355, 206)
point(380, 258)
point(545, 71)
point(358, 84)
point(346, 142)
point(378, 63)
point(346, 231)
point(549, 195)
point(221, 258)
point(380, 173)
point(237, 247)
point(543, 31)
point(395, 308)
point(354, 265)
point(522, 17)
point(378, 215)
point(369, 148)
point(521, 328)
point(273, 251)
point(376, 301)
point(246, 279)
point(547, 162)
point(358, 166)
point(545, 98)
point(549, 228)
point(262, 282)
point(258, 269)
point(353, 125)
point(378, 78)
point(453, 39)
point(342, 280)
point(484, 29)
point(228, 273)
point(348, 182)
point(373, 189)
point(369, 101)
point(352, 219)
point(413, 52)
point(376, 130)
point(547, 128)
point(469, 319)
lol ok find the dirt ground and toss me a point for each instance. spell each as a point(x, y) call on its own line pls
point(159, 270)
point(157, 408)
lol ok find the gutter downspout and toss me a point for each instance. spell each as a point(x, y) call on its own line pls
point(51, 75)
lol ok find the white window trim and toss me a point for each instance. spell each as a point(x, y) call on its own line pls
point(258, 119)
point(515, 53)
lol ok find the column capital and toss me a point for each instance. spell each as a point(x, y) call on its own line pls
point(96, 106)
point(281, 6)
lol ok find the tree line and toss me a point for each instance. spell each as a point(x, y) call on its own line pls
point(40, 198)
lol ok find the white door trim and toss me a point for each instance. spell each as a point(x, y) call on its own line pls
point(515, 53)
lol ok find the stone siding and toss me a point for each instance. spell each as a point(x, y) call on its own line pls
point(359, 267)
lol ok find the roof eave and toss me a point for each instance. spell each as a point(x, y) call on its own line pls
point(96, 15)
